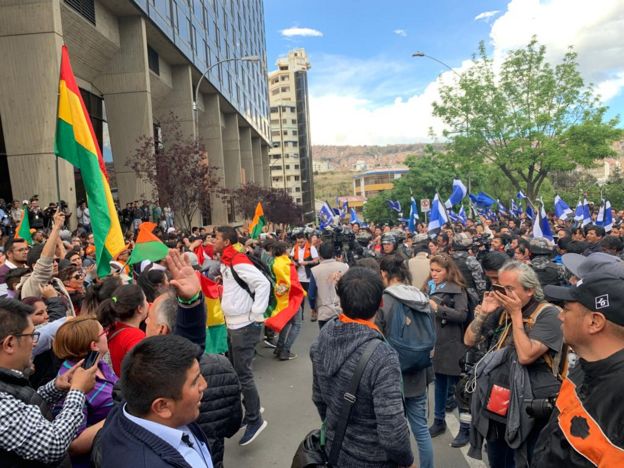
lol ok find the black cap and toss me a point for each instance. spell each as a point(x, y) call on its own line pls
point(599, 291)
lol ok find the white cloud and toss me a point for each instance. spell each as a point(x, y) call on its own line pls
point(304, 32)
point(400, 32)
point(377, 101)
point(486, 15)
point(595, 29)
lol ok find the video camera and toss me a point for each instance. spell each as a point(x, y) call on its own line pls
point(540, 408)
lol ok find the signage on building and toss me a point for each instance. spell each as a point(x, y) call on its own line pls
point(425, 205)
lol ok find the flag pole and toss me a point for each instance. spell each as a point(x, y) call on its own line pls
point(58, 184)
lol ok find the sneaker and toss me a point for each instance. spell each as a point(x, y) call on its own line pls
point(284, 356)
point(244, 425)
point(277, 351)
point(251, 432)
point(462, 438)
point(268, 343)
point(437, 428)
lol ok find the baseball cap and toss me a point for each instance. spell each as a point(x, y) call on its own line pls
point(599, 291)
point(580, 266)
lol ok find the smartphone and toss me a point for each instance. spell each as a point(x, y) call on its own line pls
point(90, 359)
point(499, 288)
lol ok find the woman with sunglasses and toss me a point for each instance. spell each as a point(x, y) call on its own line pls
point(74, 341)
point(73, 280)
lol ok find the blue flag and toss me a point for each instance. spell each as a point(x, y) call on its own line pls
point(438, 216)
point(520, 195)
point(529, 211)
point(541, 227)
point(413, 216)
point(587, 219)
point(562, 210)
point(326, 216)
point(501, 209)
point(462, 216)
point(482, 200)
point(354, 217)
point(395, 205)
point(459, 193)
point(516, 210)
point(605, 216)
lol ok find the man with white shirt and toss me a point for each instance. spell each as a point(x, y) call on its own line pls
point(163, 386)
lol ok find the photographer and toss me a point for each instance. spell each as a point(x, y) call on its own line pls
point(524, 339)
point(585, 428)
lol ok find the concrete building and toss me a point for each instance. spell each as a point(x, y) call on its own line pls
point(135, 62)
point(291, 154)
point(370, 183)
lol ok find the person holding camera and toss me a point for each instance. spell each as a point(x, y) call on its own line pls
point(522, 334)
point(77, 339)
point(31, 435)
point(585, 427)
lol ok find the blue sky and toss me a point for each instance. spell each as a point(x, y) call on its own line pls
point(365, 88)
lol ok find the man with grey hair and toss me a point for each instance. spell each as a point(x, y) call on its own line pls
point(515, 315)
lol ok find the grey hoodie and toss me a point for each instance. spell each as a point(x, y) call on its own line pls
point(377, 434)
point(414, 383)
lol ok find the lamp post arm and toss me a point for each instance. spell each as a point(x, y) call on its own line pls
point(421, 54)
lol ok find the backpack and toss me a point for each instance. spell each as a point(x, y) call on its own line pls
point(412, 335)
point(266, 272)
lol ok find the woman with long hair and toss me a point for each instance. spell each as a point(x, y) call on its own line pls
point(75, 339)
point(121, 316)
point(449, 302)
point(399, 293)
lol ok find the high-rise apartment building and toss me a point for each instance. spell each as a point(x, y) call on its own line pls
point(135, 61)
point(291, 153)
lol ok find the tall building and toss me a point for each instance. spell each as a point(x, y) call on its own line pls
point(136, 61)
point(291, 154)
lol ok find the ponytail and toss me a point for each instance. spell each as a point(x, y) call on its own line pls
point(121, 306)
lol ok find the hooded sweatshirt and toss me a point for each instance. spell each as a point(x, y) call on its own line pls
point(414, 383)
point(377, 434)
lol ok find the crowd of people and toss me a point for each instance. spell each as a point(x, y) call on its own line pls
point(522, 336)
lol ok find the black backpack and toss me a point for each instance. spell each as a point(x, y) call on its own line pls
point(265, 270)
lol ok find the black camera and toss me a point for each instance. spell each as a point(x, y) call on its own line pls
point(540, 408)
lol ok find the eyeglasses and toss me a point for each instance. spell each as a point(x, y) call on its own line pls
point(102, 333)
point(77, 276)
point(33, 335)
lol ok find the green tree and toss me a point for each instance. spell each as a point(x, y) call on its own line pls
point(528, 120)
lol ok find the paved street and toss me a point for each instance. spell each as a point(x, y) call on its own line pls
point(285, 393)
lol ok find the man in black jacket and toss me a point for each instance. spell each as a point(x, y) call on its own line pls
point(585, 428)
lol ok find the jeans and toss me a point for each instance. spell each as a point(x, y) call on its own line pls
point(442, 384)
point(242, 350)
point(416, 408)
point(290, 332)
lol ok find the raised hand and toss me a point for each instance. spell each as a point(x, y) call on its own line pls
point(185, 279)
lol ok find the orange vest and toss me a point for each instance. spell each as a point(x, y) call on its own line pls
point(583, 433)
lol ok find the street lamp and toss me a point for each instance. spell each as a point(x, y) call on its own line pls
point(246, 58)
point(422, 54)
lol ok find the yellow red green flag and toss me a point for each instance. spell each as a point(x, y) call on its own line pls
point(76, 143)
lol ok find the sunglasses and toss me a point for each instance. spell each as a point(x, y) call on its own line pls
point(77, 276)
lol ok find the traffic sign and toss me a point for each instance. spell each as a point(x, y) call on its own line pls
point(425, 205)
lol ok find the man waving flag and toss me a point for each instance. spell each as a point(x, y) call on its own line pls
point(76, 143)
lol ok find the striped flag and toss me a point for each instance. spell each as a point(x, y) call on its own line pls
point(147, 245)
point(255, 229)
point(216, 331)
point(288, 293)
point(23, 228)
point(76, 143)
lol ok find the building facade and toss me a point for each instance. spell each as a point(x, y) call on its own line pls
point(370, 183)
point(291, 153)
point(136, 62)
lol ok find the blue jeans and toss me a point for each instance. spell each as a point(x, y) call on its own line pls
point(290, 332)
point(442, 384)
point(416, 408)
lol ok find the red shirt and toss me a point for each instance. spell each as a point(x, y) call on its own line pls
point(120, 342)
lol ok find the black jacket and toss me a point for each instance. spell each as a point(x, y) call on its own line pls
point(599, 386)
point(124, 444)
point(220, 413)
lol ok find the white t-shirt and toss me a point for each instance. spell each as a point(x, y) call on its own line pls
point(299, 256)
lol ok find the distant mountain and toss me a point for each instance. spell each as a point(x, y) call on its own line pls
point(347, 157)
